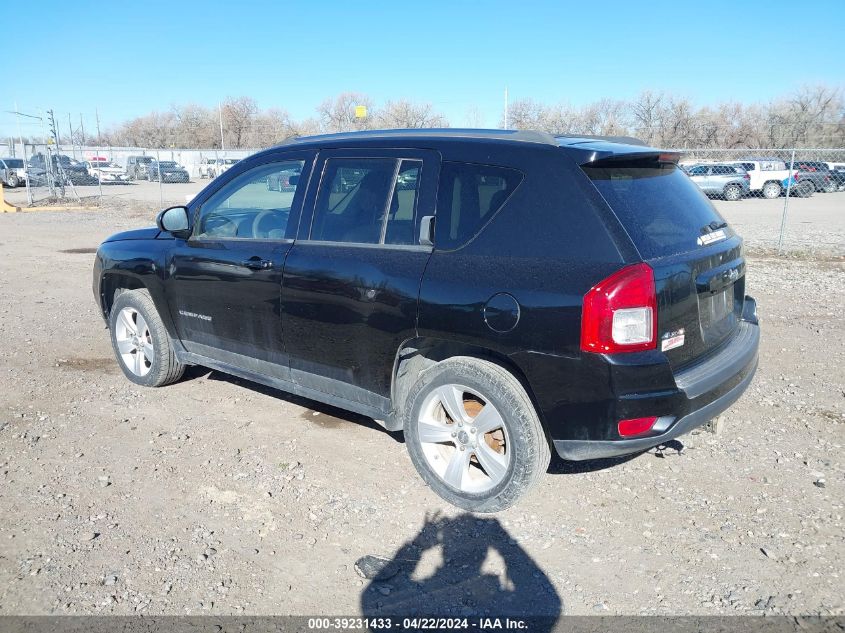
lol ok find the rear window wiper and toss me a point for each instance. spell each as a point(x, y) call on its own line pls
point(715, 225)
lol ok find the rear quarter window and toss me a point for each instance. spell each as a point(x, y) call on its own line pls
point(469, 195)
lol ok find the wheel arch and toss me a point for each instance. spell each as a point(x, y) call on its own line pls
point(417, 355)
point(111, 282)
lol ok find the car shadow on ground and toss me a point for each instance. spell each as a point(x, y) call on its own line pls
point(333, 417)
point(463, 566)
point(330, 417)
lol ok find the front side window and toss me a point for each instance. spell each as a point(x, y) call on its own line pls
point(367, 201)
point(250, 206)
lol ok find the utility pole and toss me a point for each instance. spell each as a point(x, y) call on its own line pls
point(81, 131)
point(48, 159)
point(220, 112)
point(70, 131)
point(54, 133)
point(23, 152)
point(506, 107)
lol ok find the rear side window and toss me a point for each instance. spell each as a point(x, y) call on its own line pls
point(662, 211)
point(368, 201)
point(468, 196)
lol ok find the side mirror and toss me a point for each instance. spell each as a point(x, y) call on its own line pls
point(174, 220)
point(427, 230)
point(293, 181)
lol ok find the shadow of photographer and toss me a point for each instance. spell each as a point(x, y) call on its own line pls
point(481, 571)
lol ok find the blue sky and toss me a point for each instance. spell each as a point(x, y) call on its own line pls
point(81, 55)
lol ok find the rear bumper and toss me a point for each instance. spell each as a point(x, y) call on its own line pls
point(703, 392)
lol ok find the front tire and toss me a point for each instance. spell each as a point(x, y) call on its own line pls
point(772, 190)
point(473, 434)
point(13, 181)
point(733, 193)
point(140, 341)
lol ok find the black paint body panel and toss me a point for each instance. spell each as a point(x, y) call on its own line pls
point(328, 320)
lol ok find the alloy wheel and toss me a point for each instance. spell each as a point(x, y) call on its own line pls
point(464, 438)
point(134, 341)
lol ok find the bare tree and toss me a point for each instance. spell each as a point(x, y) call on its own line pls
point(337, 114)
point(525, 114)
point(195, 126)
point(813, 116)
point(405, 114)
point(238, 117)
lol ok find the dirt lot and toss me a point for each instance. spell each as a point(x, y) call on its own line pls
point(219, 496)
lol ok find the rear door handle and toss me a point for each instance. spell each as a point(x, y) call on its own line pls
point(256, 263)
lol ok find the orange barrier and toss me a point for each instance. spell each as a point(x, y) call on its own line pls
point(5, 207)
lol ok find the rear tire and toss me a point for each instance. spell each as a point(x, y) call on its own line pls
point(140, 341)
point(733, 193)
point(484, 462)
point(772, 190)
point(803, 190)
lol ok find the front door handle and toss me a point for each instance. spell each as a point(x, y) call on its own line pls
point(256, 263)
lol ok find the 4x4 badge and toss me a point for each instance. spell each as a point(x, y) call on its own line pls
point(709, 238)
point(671, 340)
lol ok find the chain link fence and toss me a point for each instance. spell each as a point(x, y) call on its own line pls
point(39, 174)
point(795, 201)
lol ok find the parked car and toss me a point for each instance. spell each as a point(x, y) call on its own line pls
point(530, 293)
point(206, 167)
point(106, 172)
point(727, 181)
point(74, 171)
point(838, 176)
point(817, 174)
point(766, 175)
point(167, 171)
point(213, 167)
point(137, 167)
point(798, 188)
point(12, 172)
point(283, 180)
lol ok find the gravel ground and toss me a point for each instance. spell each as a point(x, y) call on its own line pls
point(215, 495)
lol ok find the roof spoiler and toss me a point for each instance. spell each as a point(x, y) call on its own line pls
point(661, 156)
point(627, 140)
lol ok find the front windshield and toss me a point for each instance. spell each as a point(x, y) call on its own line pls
point(167, 163)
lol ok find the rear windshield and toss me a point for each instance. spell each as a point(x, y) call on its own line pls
point(663, 211)
point(13, 163)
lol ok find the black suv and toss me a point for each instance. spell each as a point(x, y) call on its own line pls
point(493, 295)
point(74, 171)
point(815, 173)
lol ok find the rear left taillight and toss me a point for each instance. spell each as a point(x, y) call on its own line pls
point(620, 312)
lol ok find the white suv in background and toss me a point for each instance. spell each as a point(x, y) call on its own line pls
point(213, 167)
point(766, 175)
